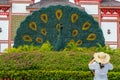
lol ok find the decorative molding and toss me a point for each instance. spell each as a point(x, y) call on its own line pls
point(4, 18)
point(20, 13)
point(111, 11)
point(22, 1)
point(4, 13)
point(111, 42)
point(3, 41)
point(108, 20)
point(87, 1)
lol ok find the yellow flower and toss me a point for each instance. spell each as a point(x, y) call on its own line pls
point(27, 38)
point(33, 26)
point(74, 17)
point(86, 26)
point(58, 14)
point(43, 31)
point(39, 40)
point(72, 41)
point(75, 33)
point(58, 27)
point(79, 42)
point(44, 18)
point(91, 37)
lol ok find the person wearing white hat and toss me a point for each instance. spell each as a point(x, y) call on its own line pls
point(100, 64)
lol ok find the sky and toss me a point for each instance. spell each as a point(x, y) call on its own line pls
point(69, 0)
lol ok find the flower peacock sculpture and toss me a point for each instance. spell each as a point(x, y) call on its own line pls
point(59, 25)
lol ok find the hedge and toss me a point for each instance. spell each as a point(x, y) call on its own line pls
point(53, 75)
point(52, 65)
point(50, 61)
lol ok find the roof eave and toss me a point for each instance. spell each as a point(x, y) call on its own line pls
point(115, 7)
point(35, 8)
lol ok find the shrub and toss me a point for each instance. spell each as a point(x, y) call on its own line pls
point(53, 75)
point(52, 60)
point(35, 63)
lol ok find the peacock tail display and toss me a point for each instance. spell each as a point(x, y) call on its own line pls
point(59, 25)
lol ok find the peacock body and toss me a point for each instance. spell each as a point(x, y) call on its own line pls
point(59, 25)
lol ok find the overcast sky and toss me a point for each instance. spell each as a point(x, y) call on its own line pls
point(69, 0)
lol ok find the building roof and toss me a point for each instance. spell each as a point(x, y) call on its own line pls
point(110, 3)
point(4, 2)
point(45, 3)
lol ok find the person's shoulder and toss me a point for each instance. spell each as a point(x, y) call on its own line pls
point(109, 63)
point(110, 66)
point(95, 63)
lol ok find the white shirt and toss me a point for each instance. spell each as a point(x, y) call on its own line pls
point(100, 74)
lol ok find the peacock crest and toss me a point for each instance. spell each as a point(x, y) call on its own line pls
point(59, 25)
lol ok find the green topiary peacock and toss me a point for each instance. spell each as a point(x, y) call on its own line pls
point(59, 25)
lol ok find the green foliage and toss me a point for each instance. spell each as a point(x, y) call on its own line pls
point(75, 48)
point(71, 46)
point(41, 63)
point(47, 75)
point(46, 46)
point(107, 49)
point(11, 50)
point(52, 60)
point(30, 48)
point(20, 49)
point(52, 75)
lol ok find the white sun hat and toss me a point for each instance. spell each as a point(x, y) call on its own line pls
point(101, 57)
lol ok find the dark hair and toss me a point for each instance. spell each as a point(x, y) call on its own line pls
point(101, 65)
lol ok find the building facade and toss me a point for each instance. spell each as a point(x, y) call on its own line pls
point(13, 12)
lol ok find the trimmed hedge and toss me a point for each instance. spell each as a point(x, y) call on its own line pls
point(53, 75)
point(52, 65)
point(49, 61)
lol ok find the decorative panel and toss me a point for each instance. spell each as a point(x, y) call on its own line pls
point(3, 46)
point(19, 8)
point(91, 9)
point(109, 30)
